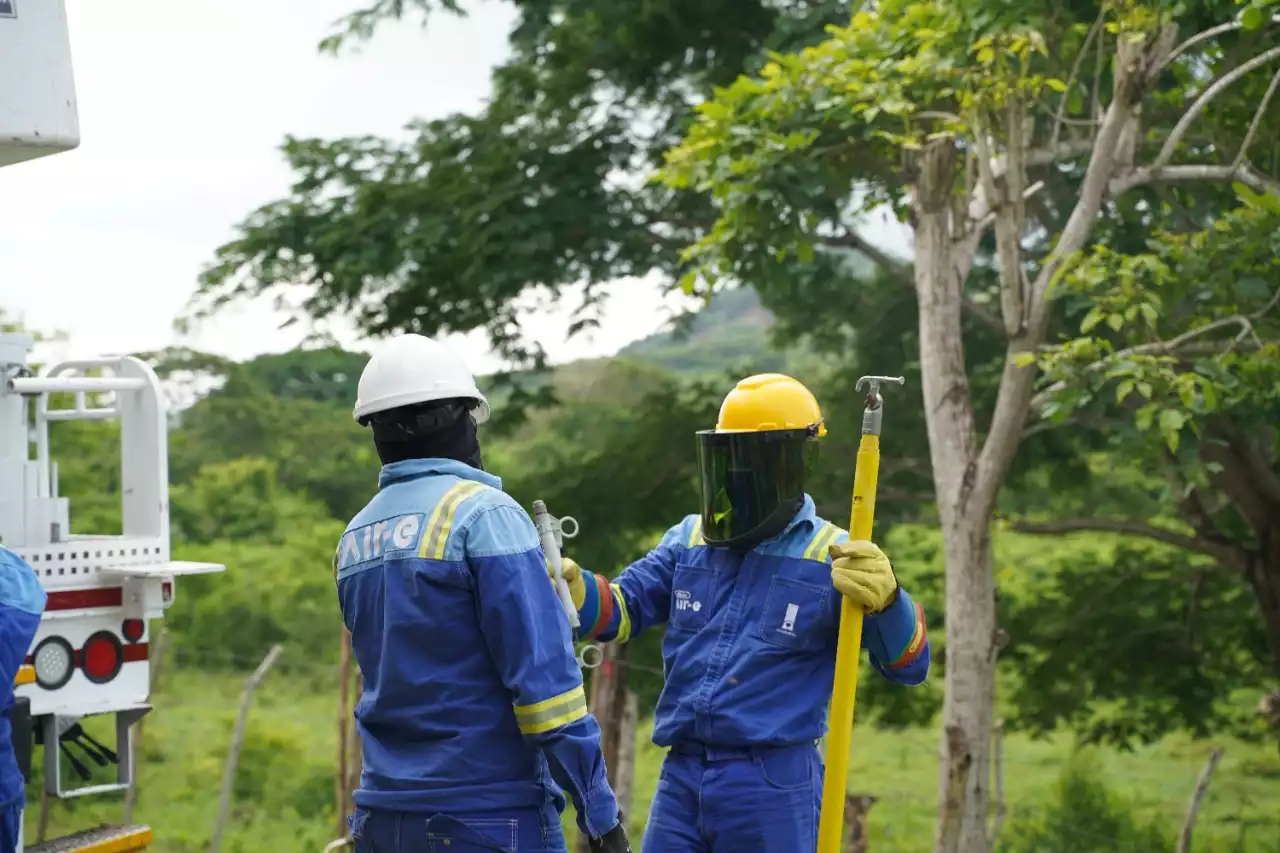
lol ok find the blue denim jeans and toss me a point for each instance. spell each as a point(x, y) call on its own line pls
point(531, 830)
point(737, 801)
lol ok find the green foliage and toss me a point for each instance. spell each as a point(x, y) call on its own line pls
point(239, 500)
point(1183, 332)
point(1085, 816)
point(1125, 641)
point(846, 112)
point(277, 589)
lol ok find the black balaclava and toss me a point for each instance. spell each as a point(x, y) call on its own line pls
point(437, 430)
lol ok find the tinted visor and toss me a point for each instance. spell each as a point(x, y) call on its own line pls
point(748, 477)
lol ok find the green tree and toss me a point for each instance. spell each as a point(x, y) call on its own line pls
point(1177, 357)
point(951, 113)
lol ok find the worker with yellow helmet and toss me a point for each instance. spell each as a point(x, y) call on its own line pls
point(745, 588)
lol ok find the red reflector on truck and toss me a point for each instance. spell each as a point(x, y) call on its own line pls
point(102, 657)
point(132, 630)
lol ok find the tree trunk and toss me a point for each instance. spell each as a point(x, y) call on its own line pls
point(968, 714)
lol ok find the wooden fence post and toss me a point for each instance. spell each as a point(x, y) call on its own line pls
point(355, 760)
point(1197, 797)
point(615, 708)
point(856, 807)
point(341, 774)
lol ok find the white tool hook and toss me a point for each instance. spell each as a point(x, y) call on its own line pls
point(553, 531)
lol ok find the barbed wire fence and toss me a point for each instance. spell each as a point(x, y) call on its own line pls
point(299, 696)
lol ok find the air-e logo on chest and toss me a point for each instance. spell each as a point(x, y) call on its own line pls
point(684, 601)
point(789, 621)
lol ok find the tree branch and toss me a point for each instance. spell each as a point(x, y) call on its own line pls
point(1168, 347)
point(1086, 421)
point(1008, 225)
point(1190, 174)
point(1017, 382)
point(980, 207)
point(901, 271)
point(1205, 35)
point(1071, 78)
point(1226, 554)
point(1257, 120)
point(989, 220)
point(1219, 85)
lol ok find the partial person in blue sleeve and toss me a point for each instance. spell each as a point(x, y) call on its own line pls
point(750, 590)
point(22, 601)
point(473, 720)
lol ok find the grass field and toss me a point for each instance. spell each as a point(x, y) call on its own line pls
point(285, 790)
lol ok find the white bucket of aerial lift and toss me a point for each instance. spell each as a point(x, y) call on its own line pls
point(38, 113)
point(91, 653)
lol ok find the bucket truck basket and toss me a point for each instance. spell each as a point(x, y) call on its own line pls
point(91, 655)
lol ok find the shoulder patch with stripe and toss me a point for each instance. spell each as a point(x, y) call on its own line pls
point(695, 533)
point(822, 540)
point(440, 522)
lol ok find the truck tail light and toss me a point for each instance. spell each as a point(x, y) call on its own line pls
point(166, 592)
point(102, 657)
point(133, 629)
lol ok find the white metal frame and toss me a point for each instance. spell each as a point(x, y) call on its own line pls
point(94, 582)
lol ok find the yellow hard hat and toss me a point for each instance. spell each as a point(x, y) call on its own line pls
point(770, 401)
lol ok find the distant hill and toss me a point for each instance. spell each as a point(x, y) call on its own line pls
point(733, 328)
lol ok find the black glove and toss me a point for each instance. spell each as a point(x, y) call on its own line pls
point(614, 841)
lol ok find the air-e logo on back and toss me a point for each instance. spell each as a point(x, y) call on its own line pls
point(373, 540)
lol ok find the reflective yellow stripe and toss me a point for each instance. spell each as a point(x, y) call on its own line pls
point(26, 675)
point(695, 534)
point(624, 621)
point(552, 713)
point(437, 535)
point(817, 549)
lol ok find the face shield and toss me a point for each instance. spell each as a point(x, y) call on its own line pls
point(752, 482)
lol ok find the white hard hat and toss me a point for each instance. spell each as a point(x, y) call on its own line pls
point(413, 369)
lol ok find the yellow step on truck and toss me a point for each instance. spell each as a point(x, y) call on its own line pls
point(88, 670)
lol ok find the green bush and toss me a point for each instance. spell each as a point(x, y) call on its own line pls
point(1082, 816)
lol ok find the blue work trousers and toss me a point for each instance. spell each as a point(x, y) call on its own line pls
point(10, 827)
point(762, 800)
point(531, 830)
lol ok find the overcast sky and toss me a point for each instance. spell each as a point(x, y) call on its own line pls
point(182, 106)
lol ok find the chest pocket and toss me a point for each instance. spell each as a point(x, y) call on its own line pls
point(692, 589)
point(793, 614)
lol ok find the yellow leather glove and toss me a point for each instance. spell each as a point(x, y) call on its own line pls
point(573, 576)
point(861, 571)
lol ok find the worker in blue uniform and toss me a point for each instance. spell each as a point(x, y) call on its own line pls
point(749, 589)
point(22, 601)
point(473, 720)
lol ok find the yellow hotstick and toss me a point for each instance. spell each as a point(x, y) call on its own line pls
point(849, 643)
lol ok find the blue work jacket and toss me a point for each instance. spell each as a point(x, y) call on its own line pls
point(750, 648)
point(473, 698)
point(22, 601)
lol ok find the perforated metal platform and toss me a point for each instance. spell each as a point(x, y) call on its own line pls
point(104, 839)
